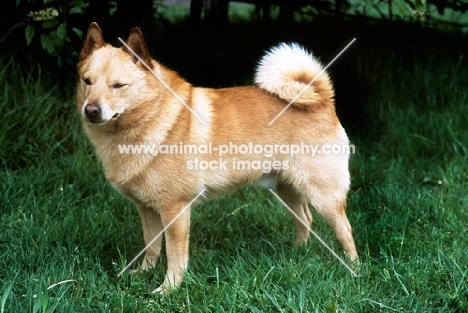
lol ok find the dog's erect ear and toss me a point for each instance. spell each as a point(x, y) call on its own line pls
point(138, 46)
point(93, 40)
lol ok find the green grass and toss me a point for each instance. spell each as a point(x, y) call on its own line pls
point(62, 222)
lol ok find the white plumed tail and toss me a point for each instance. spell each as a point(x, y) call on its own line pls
point(287, 69)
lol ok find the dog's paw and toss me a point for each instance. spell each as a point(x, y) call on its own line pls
point(170, 283)
point(163, 289)
point(357, 266)
point(137, 271)
point(149, 263)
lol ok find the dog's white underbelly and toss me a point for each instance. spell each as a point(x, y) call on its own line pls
point(267, 181)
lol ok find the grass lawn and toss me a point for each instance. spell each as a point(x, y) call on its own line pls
point(65, 233)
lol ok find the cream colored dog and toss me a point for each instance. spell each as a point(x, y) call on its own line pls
point(230, 143)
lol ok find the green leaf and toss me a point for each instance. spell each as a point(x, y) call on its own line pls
point(47, 1)
point(47, 44)
point(11, 30)
point(60, 61)
point(382, 8)
point(53, 305)
point(79, 3)
point(78, 32)
point(29, 33)
point(38, 301)
point(331, 308)
point(6, 294)
point(76, 10)
point(401, 8)
point(62, 31)
point(58, 43)
point(50, 23)
point(44, 292)
point(18, 2)
point(420, 5)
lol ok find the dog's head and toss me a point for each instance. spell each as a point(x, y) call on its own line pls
point(111, 80)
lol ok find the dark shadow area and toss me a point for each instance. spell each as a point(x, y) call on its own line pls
point(213, 56)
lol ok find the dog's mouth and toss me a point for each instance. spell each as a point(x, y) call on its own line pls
point(101, 122)
point(94, 114)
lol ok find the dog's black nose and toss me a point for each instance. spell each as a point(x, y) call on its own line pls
point(93, 112)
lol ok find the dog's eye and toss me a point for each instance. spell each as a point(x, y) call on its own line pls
point(118, 85)
point(87, 81)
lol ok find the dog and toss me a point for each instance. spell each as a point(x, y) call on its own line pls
point(236, 136)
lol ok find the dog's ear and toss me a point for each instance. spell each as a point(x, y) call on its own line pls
point(93, 40)
point(138, 46)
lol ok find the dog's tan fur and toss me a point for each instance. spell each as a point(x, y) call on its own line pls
point(135, 108)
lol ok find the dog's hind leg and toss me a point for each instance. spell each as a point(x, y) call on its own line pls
point(298, 203)
point(330, 203)
point(152, 226)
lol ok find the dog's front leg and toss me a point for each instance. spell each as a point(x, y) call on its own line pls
point(152, 226)
point(177, 243)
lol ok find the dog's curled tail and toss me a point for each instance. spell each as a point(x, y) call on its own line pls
point(293, 74)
